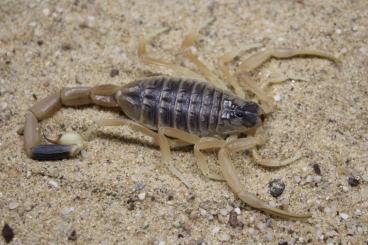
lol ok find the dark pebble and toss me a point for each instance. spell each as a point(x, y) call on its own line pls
point(283, 243)
point(353, 182)
point(317, 169)
point(66, 46)
point(233, 220)
point(8, 233)
point(131, 206)
point(72, 236)
point(114, 72)
point(276, 187)
point(40, 42)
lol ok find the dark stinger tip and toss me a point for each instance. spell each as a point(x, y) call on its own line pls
point(52, 152)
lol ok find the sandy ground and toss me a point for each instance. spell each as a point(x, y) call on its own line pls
point(115, 193)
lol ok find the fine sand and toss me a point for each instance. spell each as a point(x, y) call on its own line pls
point(116, 192)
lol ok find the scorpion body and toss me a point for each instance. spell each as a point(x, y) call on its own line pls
point(177, 112)
point(190, 105)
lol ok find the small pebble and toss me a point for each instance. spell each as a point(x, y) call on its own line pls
point(338, 31)
point(46, 12)
point(358, 212)
point(3, 105)
point(215, 230)
point(353, 182)
point(139, 186)
point(224, 237)
point(309, 179)
point(317, 179)
point(203, 212)
point(72, 236)
point(297, 179)
point(276, 187)
point(13, 205)
point(28, 174)
point(233, 220)
point(317, 169)
point(277, 98)
point(53, 184)
point(283, 243)
point(223, 211)
point(269, 237)
point(66, 211)
point(142, 196)
point(237, 211)
point(114, 72)
point(344, 216)
point(8, 233)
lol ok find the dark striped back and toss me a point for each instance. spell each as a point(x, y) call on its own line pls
point(185, 104)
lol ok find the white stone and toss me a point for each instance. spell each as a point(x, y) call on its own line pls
point(269, 237)
point(13, 205)
point(142, 196)
point(215, 230)
point(358, 212)
point(46, 11)
point(297, 179)
point(66, 211)
point(344, 216)
point(53, 184)
point(224, 237)
point(223, 211)
point(203, 212)
point(237, 211)
point(277, 98)
point(308, 179)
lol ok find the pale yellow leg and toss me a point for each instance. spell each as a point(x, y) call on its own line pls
point(259, 58)
point(159, 63)
point(224, 62)
point(159, 138)
point(199, 144)
point(166, 156)
point(271, 163)
point(187, 44)
point(267, 103)
point(174, 143)
point(230, 175)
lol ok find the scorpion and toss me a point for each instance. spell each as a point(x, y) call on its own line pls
point(179, 111)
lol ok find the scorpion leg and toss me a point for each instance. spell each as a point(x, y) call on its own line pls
point(135, 126)
point(272, 163)
point(166, 155)
point(69, 144)
point(159, 63)
point(261, 57)
point(223, 63)
point(187, 44)
point(199, 144)
point(229, 173)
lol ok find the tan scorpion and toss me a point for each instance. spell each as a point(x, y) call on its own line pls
point(177, 112)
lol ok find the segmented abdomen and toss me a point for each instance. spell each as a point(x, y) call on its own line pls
point(184, 104)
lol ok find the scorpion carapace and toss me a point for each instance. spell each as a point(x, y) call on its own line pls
point(177, 112)
point(187, 104)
